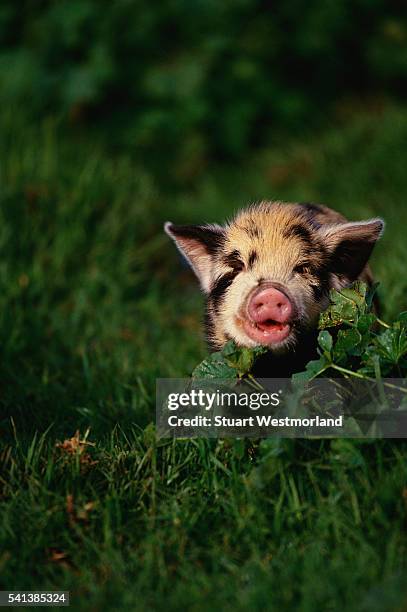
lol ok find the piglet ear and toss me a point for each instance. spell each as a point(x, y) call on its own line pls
point(198, 244)
point(350, 246)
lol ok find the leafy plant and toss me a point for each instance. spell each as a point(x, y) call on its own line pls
point(352, 340)
point(231, 362)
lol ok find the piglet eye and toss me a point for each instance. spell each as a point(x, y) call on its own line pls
point(302, 268)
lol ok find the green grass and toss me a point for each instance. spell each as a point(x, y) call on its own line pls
point(94, 305)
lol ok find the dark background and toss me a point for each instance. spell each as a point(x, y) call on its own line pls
point(192, 82)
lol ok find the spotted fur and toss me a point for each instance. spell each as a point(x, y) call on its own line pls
point(303, 249)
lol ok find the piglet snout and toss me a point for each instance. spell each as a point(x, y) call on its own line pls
point(270, 304)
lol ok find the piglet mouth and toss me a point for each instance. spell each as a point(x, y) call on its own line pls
point(268, 316)
point(267, 331)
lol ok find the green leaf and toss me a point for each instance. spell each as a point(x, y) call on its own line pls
point(246, 358)
point(347, 342)
point(365, 322)
point(229, 349)
point(325, 342)
point(314, 368)
point(345, 306)
point(390, 347)
point(231, 362)
point(214, 367)
point(392, 344)
point(356, 293)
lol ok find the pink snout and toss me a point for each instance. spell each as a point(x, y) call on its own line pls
point(269, 316)
point(270, 304)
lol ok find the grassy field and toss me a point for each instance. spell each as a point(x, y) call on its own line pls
point(95, 304)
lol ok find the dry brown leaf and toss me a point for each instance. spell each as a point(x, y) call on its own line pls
point(76, 446)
